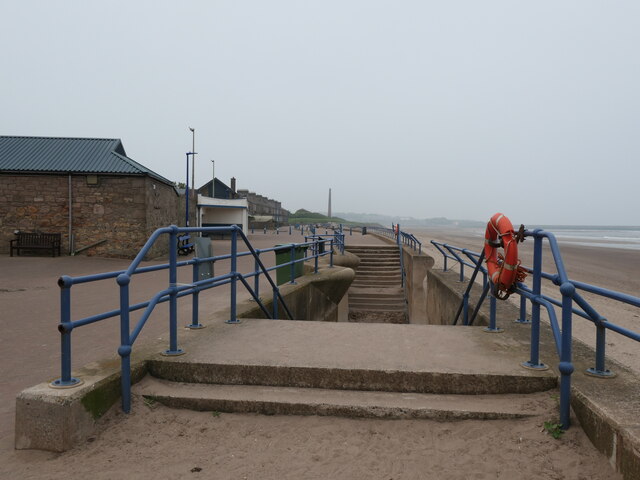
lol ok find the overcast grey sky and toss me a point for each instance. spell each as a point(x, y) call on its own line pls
point(411, 108)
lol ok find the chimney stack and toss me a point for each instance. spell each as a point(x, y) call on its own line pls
point(233, 187)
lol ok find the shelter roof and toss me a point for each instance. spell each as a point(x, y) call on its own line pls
point(69, 155)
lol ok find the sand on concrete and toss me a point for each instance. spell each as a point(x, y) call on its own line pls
point(156, 442)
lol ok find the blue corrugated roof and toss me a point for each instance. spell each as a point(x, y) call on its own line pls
point(69, 155)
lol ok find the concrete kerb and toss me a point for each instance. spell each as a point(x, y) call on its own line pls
point(608, 409)
point(58, 419)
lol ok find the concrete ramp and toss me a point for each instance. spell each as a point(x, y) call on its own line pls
point(302, 367)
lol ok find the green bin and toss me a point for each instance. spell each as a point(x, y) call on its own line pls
point(283, 255)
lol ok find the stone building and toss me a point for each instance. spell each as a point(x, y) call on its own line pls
point(101, 201)
point(263, 210)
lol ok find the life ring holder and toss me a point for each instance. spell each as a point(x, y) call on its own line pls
point(504, 270)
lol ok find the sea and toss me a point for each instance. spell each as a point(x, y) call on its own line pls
point(624, 237)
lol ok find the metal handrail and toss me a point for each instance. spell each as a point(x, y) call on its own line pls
point(405, 237)
point(171, 294)
point(569, 291)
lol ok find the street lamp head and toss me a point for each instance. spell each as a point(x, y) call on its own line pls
point(192, 129)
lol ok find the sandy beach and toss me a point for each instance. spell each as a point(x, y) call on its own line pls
point(156, 442)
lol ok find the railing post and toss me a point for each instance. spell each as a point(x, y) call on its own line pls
point(173, 296)
point(523, 311)
point(401, 256)
point(256, 279)
point(600, 369)
point(566, 366)
point(331, 254)
point(234, 281)
point(275, 303)
point(292, 266)
point(195, 305)
point(492, 328)
point(65, 327)
point(316, 254)
point(465, 308)
point(534, 360)
point(125, 342)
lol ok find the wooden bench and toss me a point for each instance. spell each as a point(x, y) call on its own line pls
point(35, 241)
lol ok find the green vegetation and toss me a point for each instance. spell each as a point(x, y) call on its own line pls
point(554, 429)
point(98, 401)
point(306, 217)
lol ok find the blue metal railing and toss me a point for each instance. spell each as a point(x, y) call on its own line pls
point(568, 290)
point(405, 237)
point(173, 292)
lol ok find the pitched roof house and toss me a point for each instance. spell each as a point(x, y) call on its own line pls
point(87, 189)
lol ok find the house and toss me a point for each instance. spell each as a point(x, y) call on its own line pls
point(264, 211)
point(101, 201)
point(219, 206)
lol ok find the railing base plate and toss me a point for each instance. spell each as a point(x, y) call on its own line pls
point(195, 327)
point(524, 322)
point(493, 330)
point(232, 322)
point(592, 372)
point(533, 366)
point(173, 353)
point(74, 382)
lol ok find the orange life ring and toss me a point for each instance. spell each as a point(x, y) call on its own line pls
point(503, 270)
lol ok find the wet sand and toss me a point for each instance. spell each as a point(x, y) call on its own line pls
point(156, 442)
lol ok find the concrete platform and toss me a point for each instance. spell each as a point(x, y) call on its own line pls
point(379, 357)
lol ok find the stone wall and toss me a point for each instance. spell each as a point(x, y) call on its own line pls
point(122, 211)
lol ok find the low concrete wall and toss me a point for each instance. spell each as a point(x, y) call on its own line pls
point(416, 267)
point(444, 296)
point(312, 297)
point(58, 419)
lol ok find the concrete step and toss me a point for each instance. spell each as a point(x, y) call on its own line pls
point(309, 401)
point(375, 270)
point(362, 277)
point(364, 301)
point(379, 257)
point(376, 283)
point(392, 292)
point(382, 274)
point(389, 307)
point(397, 317)
point(378, 266)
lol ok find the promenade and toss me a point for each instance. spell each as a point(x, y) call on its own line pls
point(248, 446)
point(30, 300)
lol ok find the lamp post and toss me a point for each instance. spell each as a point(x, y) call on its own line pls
point(213, 179)
point(193, 158)
point(187, 189)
